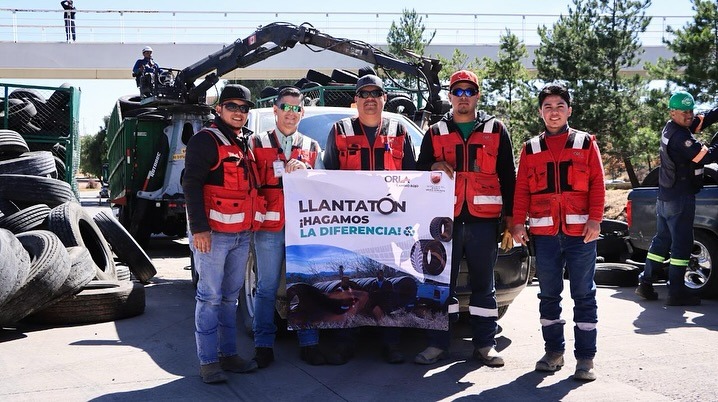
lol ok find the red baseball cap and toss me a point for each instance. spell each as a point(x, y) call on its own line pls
point(463, 76)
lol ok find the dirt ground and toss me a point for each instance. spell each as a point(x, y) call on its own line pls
point(615, 207)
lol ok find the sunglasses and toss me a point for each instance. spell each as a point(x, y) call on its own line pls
point(370, 94)
point(286, 107)
point(464, 91)
point(233, 107)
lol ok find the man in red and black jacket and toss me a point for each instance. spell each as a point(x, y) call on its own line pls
point(370, 141)
point(220, 187)
point(560, 188)
point(475, 150)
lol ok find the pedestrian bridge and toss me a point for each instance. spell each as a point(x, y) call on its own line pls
point(114, 61)
point(33, 45)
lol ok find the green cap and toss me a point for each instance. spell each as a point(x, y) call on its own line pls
point(681, 100)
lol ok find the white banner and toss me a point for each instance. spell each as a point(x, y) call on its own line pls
point(368, 248)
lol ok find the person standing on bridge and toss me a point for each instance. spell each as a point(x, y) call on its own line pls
point(559, 187)
point(680, 178)
point(69, 8)
point(279, 151)
point(370, 142)
point(474, 149)
point(220, 186)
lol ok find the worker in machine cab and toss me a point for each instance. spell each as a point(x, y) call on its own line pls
point(145, 70)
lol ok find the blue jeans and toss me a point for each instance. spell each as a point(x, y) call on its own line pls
point(553, 253)
point(221, 276)
point(674, 237)
point(269, 249)
point(477, 241)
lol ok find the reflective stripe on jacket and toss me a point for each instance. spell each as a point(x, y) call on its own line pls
point(474, 162)
point(355, 153)
point(234, 204)
point(559, 189)
point(267, 150)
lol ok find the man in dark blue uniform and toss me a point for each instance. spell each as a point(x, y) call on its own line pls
point(680, 178)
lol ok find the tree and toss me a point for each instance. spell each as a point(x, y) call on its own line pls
point(93, 151)
point(695, 64)
point(408, 34)
point(587, 49)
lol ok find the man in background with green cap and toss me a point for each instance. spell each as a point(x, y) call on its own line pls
point(680, 178)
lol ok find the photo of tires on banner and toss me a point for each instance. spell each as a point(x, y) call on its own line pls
point(368, 248)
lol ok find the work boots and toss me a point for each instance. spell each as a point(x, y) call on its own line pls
point(550, 362)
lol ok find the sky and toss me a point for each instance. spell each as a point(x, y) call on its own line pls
point(99, 96)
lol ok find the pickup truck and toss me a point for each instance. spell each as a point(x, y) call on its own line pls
point(641, 217)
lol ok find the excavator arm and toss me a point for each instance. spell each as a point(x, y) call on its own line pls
point(275, 38)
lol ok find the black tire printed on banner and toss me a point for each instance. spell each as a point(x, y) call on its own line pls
point(441, 228)
point(428, 256)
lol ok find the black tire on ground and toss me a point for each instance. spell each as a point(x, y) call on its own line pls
point(33, 217)
point(402, 105)
point(49, 267)
point(37, 163)
point(125, 246)
point(428, 256)
point(12, 144)
point(82, 271)
point(701, 274)
point(616, 274)
point(32, 190)
point(99, 301)
point(14, 265)
point(441, 228)
point(75, 227)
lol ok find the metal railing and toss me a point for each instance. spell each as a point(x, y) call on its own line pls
point(146, 26)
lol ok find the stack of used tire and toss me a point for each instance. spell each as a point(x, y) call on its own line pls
point(56, 260)
point(397, 102)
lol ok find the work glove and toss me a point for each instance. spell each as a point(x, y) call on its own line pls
point(507, 241)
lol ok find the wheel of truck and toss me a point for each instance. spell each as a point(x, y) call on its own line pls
point(12, 144)
point(33, 217)
point(99, 301)
point(616, 274)
point(700, 276)
point(14, 265)
point(75, 227)
point(249, 292)
point(49, 268)
point(139, 228)
point(37, 163)
point(31, 190)
point(125, 246)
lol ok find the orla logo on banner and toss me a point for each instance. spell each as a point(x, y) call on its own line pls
point(368, 248)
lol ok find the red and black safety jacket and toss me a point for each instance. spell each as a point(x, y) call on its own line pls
point(355, 152)
point(559, 188)
point(267, 150)
point(474, 162)
point(231, 200)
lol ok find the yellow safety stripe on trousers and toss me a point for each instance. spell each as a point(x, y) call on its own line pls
point(679, 263)
point(656, 258)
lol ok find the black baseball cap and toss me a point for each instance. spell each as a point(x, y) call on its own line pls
point(236, 92)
